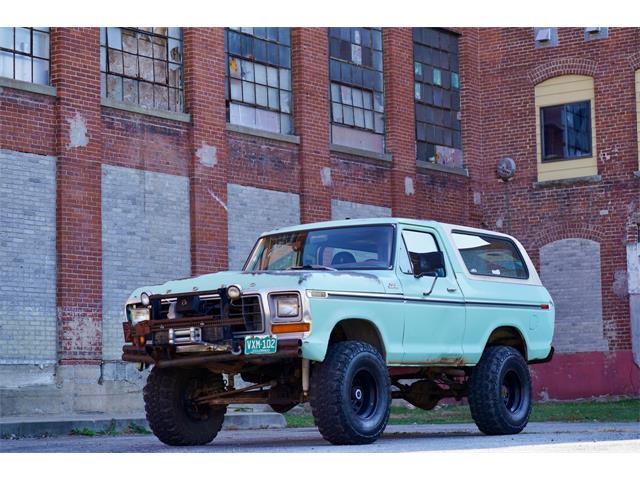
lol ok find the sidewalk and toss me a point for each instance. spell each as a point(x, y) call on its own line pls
point(39, 426)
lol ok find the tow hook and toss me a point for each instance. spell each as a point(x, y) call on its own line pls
point(237, 349)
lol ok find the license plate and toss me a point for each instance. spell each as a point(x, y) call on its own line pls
point(260, 344)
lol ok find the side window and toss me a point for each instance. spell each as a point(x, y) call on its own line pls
point(491, 256)
point(417, 242)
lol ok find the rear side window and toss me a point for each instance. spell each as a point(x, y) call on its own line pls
point(491, 256)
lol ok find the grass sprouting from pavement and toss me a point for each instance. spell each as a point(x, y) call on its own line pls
point(134, 428)
point(587, 411)
point(111, 431)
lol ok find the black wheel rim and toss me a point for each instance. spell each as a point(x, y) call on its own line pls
point(364, 394)
point(511, 391)
point(194, 410)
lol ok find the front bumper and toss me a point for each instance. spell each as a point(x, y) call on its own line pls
point(168, 357)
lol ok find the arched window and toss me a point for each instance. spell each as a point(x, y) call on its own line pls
point(565, 128)
point(570, 269)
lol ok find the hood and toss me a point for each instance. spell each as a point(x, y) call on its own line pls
point(354, 281)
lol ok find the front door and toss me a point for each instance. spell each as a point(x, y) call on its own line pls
point(434, 310)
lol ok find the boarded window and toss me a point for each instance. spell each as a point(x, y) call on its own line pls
point(357, 87)
point(437, 96)
point(24, 54)
point(491, 256)
point(570, 269)
point(143, 66)
point(566, 131)
point(259, 78)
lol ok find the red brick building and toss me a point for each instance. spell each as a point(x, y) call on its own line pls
point(131, 156)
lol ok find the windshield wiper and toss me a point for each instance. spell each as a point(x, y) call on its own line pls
point(312, 267)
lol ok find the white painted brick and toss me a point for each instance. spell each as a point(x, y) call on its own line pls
point(570, 270)
point(253, 211)
point(341, 210)
point(27, 258)
point(145, 240)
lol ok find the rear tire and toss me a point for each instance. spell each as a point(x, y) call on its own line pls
point(351, 394)
point(172, 416)
point(500, 391)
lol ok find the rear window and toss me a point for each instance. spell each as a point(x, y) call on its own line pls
point(491, 256)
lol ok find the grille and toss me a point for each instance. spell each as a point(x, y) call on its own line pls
point(244, 315)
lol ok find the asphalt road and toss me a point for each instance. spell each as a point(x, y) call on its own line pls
point(537, 437)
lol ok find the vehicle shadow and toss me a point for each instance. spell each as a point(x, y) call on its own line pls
point(398, 439)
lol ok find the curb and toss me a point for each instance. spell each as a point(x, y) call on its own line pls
point(49, 427)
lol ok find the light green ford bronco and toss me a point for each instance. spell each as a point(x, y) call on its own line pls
point(346, 315)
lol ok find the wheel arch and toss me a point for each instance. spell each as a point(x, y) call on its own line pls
point(358, 329)
point(510, 336)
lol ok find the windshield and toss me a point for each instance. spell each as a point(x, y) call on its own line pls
point(343, 248)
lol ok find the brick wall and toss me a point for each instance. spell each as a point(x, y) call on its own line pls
point(231, 174)
point(538, 214)
point(75, 72)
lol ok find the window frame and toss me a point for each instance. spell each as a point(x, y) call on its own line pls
point(30, 55)
point(496, 237)
point(267, 64)
point(542, 136)
point(419, 85)
point(178, 89)
point(406, 248)
point(340, 83)
point(392, 259)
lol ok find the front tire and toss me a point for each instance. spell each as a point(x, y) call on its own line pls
point(351, 394)
point(172, 415)
point(500, 391)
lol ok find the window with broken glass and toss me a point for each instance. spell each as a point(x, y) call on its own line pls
point(24, 54)
point(437, 97)
point(259, 78)
point(143, 66)
point(357, 87)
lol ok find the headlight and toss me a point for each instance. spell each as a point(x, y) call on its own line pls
point(287, 306)
point(144, 298)
point(139, 315)
point(234, 292)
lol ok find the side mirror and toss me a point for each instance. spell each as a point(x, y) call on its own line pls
point(428, 264)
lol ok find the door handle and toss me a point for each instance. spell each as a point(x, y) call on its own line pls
point(452, 289)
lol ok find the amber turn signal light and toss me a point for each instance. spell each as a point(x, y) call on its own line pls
point(290, 328)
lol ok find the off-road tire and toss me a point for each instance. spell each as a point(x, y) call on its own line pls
point(342, 418)
point(170, 415)
point(500, 391)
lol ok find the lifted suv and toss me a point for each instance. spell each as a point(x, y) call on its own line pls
point(346, 315)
